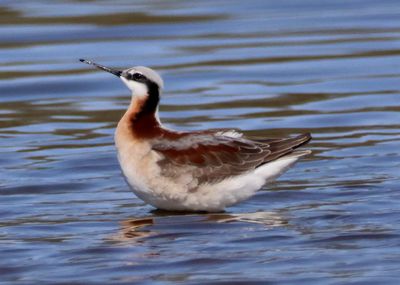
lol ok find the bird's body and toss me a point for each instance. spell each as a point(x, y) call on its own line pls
point(191, 171)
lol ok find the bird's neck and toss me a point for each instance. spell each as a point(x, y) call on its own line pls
point(142, 116)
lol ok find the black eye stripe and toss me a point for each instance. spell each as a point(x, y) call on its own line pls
point(138, 76)
point(135, 76)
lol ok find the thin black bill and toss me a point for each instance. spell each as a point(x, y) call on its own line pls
point(110, 70)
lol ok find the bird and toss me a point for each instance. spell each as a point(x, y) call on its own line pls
point(191, 171)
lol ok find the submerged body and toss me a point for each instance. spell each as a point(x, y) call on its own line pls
point(192, 171)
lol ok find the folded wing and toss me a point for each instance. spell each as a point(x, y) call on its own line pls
point(212, 157)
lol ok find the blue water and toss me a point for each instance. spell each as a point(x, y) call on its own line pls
point(271, 68)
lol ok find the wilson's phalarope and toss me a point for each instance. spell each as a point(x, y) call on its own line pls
point(191, 171)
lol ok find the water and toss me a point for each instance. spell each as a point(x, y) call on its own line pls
point(268, 67)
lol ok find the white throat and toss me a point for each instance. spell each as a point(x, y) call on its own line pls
point(137, 88)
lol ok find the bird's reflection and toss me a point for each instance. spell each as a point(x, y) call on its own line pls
point(136, 230)
point(269, 219)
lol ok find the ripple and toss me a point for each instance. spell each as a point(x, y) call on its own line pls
point(272, 68)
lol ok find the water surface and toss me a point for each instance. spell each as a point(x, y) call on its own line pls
point(271, 68)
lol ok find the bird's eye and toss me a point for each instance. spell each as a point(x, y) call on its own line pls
point(137, 76)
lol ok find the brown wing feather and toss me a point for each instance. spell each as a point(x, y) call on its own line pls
point(211, 157)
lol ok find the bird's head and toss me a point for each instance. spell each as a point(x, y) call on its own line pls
point(141, 80)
